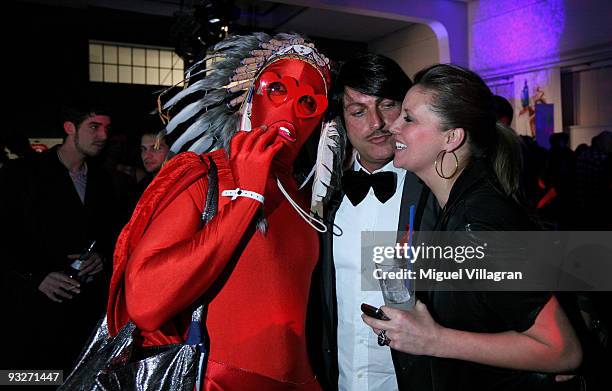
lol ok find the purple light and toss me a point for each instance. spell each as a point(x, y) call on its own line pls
point(507, 33)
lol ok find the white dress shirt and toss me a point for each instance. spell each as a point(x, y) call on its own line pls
point(362, 363)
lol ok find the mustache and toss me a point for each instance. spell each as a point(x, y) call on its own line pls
point(378, 133)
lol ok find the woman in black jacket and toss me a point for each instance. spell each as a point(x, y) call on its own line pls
point(447, 135)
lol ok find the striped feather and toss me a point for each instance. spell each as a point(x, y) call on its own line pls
point(204, 144)
point(195, 87)
point(327, 157)
point(188, 112)
point(193, 131)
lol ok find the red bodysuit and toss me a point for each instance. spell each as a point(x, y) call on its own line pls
point(257, 296)
point(255, 285)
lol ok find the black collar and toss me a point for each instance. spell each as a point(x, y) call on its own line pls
point(477, 171)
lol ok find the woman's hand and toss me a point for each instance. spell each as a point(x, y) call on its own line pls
point(413, 331)
point(549, 345)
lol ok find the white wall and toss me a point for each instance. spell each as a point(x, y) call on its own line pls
point(588, 28)
point(413, 48)
point(447, 17)
point(513, 37)
point(592, 104)
point(593, 95)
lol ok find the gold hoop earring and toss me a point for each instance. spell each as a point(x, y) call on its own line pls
point(439, 172)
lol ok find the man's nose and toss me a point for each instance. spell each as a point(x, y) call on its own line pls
point(103, 133)
point(376, 120)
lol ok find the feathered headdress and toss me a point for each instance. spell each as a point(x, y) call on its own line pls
point(215, 105)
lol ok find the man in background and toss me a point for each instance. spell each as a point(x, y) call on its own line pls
point(503, 110)
point(57, 203)
point(153, 152)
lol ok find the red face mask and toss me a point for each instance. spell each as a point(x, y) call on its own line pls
point(290, 99)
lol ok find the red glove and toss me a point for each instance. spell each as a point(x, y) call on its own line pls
point(251, 157)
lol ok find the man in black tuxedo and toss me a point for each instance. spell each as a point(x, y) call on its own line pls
point(375, 196)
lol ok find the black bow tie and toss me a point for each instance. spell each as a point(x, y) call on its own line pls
point(356, 185)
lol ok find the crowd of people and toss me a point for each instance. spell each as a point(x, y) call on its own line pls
point(569, 187)
point(277, 266)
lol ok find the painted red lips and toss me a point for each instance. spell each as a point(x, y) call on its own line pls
point(285, 130)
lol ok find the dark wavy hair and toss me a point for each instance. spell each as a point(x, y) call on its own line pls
point(77, 112)
point(370, 74)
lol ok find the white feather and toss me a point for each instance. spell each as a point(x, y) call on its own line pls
point(188, 112)
point(245, 118)
point(202, 145)
point(328, 143)
point(195, 87)
point(188, 72)
point(193, 131)
point(183, 93)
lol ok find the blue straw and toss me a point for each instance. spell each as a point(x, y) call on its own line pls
point(410, 225)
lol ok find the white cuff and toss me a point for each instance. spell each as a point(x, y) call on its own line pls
point(238, 192)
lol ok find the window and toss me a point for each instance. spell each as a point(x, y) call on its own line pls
point(123, 63)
